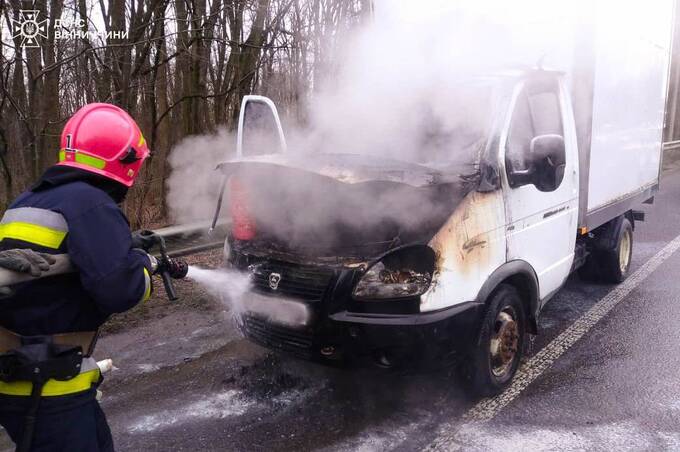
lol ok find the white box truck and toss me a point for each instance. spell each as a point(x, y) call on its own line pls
point(400, 259)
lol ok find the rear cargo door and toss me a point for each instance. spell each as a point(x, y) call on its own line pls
point(541, 199)
point(259, 128)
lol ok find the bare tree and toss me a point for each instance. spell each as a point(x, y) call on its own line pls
point(180, 67)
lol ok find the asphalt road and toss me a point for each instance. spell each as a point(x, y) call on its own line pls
point(187, 381)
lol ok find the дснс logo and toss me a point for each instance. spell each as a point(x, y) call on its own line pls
point(29, 28)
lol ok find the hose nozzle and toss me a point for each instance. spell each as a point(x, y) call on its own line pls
point(169, 268)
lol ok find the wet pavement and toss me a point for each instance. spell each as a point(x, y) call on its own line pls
point(188, 381)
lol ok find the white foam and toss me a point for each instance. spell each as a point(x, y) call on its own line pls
point(219, 406)
point(146, 368)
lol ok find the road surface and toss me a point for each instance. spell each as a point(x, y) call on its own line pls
point(603, 375)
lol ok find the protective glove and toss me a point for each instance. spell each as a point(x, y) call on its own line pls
point(176, 268)
point(26, 261)
point(143, 239)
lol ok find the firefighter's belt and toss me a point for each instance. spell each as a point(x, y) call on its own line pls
point(39, 363)
point(89, 375)
point(85, 340)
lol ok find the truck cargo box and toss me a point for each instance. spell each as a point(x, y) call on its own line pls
point(620, 79)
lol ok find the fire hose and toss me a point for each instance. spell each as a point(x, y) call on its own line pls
point(168, 268)
point(61, 265)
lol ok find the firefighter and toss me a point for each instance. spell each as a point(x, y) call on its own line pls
point(48, 326)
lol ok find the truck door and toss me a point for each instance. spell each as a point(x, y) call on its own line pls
point(259, 128)
point(540, 181)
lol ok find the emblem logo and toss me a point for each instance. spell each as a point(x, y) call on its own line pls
point(29, 28)
point(274, 280)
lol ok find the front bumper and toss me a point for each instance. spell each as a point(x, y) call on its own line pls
point(349, 335)
point(411, 338)
point(307, 310)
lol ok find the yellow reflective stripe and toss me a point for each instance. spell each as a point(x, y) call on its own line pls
point(141, 140)
point(90, 161)
point(83, 159)
point(147, 289)
point(53, 388)
point(32, 233)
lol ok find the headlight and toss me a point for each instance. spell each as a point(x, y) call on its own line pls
point(404, 273)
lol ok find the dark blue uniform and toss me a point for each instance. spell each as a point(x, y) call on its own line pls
point(70, 211)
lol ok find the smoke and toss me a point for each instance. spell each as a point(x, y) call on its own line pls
point(193, 183)
point(402, 78)
point(402, 92)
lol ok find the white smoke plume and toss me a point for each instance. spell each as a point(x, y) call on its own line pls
point(396, 95)
point(193, 183)
point(396, 86)
point(400, 75)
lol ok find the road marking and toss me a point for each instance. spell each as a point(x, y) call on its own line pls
point(487, 409)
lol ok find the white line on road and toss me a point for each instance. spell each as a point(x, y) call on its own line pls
point(487, 409)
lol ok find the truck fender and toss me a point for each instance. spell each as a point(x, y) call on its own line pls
point(523, 277)
point(606, 236)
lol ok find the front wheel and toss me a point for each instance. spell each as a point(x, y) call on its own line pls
point(498, 351)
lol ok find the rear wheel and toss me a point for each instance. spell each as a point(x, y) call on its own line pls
point(499, 347)
point(611, 265)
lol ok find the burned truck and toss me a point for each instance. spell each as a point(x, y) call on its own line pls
point(398, 259)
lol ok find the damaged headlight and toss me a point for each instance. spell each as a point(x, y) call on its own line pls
point(404, 273)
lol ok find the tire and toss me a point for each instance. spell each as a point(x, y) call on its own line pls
point(490, 372)
point(615, 264)
point(611, 266)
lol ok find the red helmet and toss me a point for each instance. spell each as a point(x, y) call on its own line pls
point(105, 140)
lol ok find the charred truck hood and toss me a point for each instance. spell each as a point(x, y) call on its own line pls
point(339, 208)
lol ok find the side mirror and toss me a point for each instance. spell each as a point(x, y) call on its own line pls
point(549, 147)
point(548, 157)
point(545, 169)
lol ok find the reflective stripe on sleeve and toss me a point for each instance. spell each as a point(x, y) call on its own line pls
point(42, 217)
point(147, 286)
point(36, 226)
point(31, 233)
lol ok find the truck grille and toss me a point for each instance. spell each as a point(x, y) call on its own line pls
point(297, 281)
point(296, 342)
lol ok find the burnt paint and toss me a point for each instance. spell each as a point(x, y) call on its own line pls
point(469, 246)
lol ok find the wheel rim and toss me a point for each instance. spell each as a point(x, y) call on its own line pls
point(504, 345)
point(624, 251)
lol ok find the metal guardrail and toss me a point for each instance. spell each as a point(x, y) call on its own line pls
point(192, 238)
point(671, 145)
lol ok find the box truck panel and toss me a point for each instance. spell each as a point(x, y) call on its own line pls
point(632, 52)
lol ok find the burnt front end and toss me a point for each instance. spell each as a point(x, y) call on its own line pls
point(338, 265)
point(332, 311)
